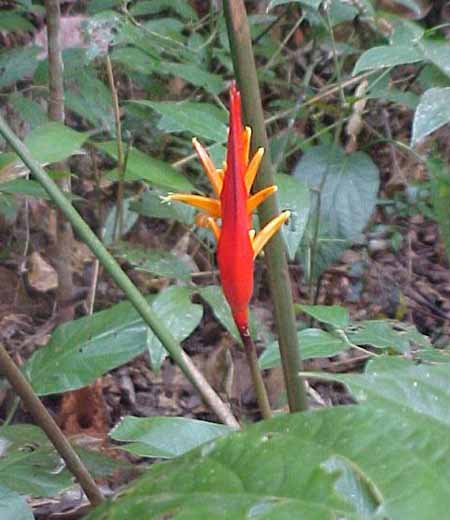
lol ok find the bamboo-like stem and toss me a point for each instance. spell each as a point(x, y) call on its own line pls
point(280, 286)
point(257, 380)
point(118, 222)
point(62, 248)
point(45, 421)
point(121, 279)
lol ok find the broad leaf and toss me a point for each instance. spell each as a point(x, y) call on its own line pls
point(165, 437)
point(313, 343)
point(199, 119)
point(180, 316)
point(348, 186)
point(84, 349)
point(143, 167)
point(432, 113)
point(17, 64)
point(194, 74)
point(13, 506)
point(294, 196)
point(387, 56)
point(387, 458)
point(214, 296)
point(315, 4)
point(440, 197)
point(129, 218)
point(151, 204)
point(158, 262)
point(54, 142)
point(332, 314)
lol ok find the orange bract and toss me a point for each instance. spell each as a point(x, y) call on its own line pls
point(238, 244)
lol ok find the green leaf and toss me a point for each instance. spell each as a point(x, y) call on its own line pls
point(143, 167)
point(315, 4)
point(313, 343)
point(151, 205)
point(195, 75)
point(387, 458)
point(180, 316)
point(54, 142)
point(387, 56)
point(84, 349)
point(165, 437)
point(29, 465)
point(386, 334)
point(24, 187)
point(348, 185)
point(432, 113)
point(158, 262)
point(294, 196)
point(199, 119)
point(436, 51)
point(135, 59)
point(13, 506)
point(27, 109)
point(17, 64)
point(440, 197)
point(182, 8)
point(214, 296)
point(10, 21)
point(334, 315)
point(129, 220)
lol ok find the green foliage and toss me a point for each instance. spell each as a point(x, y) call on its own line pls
point(366, 461)
point(165, 437)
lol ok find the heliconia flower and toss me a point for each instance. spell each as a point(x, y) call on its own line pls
point(233, 204)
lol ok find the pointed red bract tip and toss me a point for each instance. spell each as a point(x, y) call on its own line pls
point(234, 250)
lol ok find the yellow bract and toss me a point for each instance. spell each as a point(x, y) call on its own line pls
point(211, 207)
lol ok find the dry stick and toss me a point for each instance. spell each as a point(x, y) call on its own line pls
point(64, 233)
point(118, 223)
point(131, 291)
point(42, 417)
point(280, 285)
point(258, 383)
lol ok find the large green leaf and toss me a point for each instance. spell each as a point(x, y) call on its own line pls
point(313, 343)
point(348, 185)
point(54, 142)
point(315, 4)
point(13, 506)
point(387, 56)
point(165, 437)
point(440, 197)
point(152, 205)
point(294, 196)
point(17, 64)
point(199, 119)
point(29, 465)
point(180, 315)
point(214, 296)
point(386, 459)
point(194, 74)
point(333, 315)
point(84, 349)
point(143, 167)
point(432, 113)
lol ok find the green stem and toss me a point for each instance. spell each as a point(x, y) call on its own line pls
point(121, 279)
point(258, 383)
point(42, 417)
point(280, 285)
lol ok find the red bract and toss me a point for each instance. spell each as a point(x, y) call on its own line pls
point(235, 250)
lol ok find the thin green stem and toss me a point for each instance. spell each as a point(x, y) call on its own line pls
point(45, 421)
point(121, 279)
point(257, 380)
point(280, 285)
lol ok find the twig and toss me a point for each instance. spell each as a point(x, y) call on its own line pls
point(45, 421)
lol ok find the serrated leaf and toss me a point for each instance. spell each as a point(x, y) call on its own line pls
point(313, 343)
point(334, 315)
point(54, 142)
point(143, 167)
point(432, 112)
point(294, 196)
point(387, 56)
point(348, 185)
point(198, 119)
point(165, 437)
point(180, 316)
